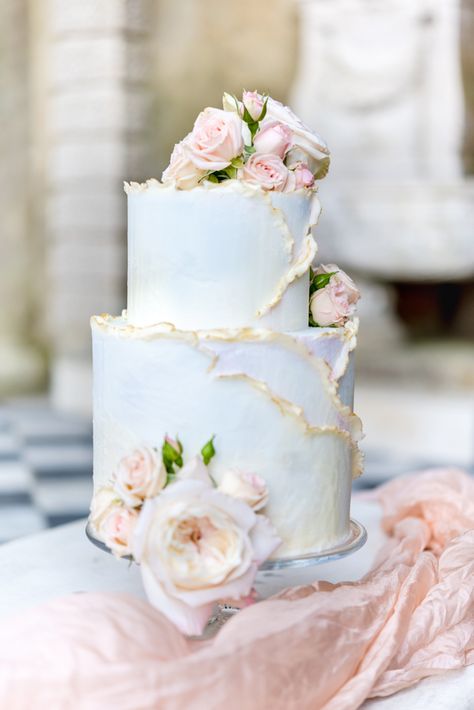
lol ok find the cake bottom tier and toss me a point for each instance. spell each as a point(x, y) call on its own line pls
point(279, 405)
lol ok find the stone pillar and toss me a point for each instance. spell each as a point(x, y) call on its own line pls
point(96, 110)
point(467, 66)
point(21, 366)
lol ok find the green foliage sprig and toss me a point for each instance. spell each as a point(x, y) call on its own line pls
point(208, 451)
point(317, 281)
point(172, 456)
point(252, 123)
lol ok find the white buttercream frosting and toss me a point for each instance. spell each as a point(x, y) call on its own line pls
point(219, 256)
point(278, 403)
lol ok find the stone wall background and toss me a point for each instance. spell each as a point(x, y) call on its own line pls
point(22, 366)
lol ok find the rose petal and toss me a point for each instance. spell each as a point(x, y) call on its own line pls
point(141, 528)
point(191, 620)
point(233, 589)
point(264, 539)
point(195, 469)
point(239, 511)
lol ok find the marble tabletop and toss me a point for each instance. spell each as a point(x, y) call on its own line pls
point(60, 561)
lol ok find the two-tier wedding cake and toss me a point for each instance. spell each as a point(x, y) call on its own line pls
point(223, 424)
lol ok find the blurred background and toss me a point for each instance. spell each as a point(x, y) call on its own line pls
point(93, 92)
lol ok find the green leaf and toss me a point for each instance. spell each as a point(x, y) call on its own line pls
point(253, 128)
point(321, 280)
point(231, 172)
point(247, 116)
point(171, 457)
point(237, 162)
point(249, 150)
point(323, 169)
point(208, 451)
point(264, 110)
point(313, 281)
point(311, 322)
point(221, 175)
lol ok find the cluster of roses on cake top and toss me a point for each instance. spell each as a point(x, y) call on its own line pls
point(259, 141)
point(256, 140)
point(196, 541)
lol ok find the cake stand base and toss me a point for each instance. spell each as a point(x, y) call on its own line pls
point(277, 574)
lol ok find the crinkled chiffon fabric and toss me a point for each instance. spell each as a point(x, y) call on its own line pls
point(324, 646)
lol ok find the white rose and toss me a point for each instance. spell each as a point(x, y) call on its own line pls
point(104, 500)
point(307, 146)
point(181, 171)
point(116, 529)
point(232, 104)
point(139, 475)
point(196, 545)
point(248, 487)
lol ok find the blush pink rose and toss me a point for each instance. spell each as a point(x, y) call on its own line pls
point(195, 546)
point(182, 171)
point(116, 529)
point(336, 302)
point(215, 140)
point(247, 487)
point(139, 475)
point(274, 137)
point(104, 500)
point(253, 102)
point(266, 170)
point(303, 176)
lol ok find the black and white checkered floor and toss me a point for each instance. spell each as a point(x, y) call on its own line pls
point(46, 467)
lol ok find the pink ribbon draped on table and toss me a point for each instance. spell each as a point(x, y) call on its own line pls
point(324, 646)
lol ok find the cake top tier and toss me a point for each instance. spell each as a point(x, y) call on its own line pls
point(224, 240)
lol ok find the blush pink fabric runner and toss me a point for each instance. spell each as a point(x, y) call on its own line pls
point(322, 647)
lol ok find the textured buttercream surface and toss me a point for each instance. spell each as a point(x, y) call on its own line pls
point(228, 255)
point(280, 405)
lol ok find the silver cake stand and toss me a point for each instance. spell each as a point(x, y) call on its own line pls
point(275, 575)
